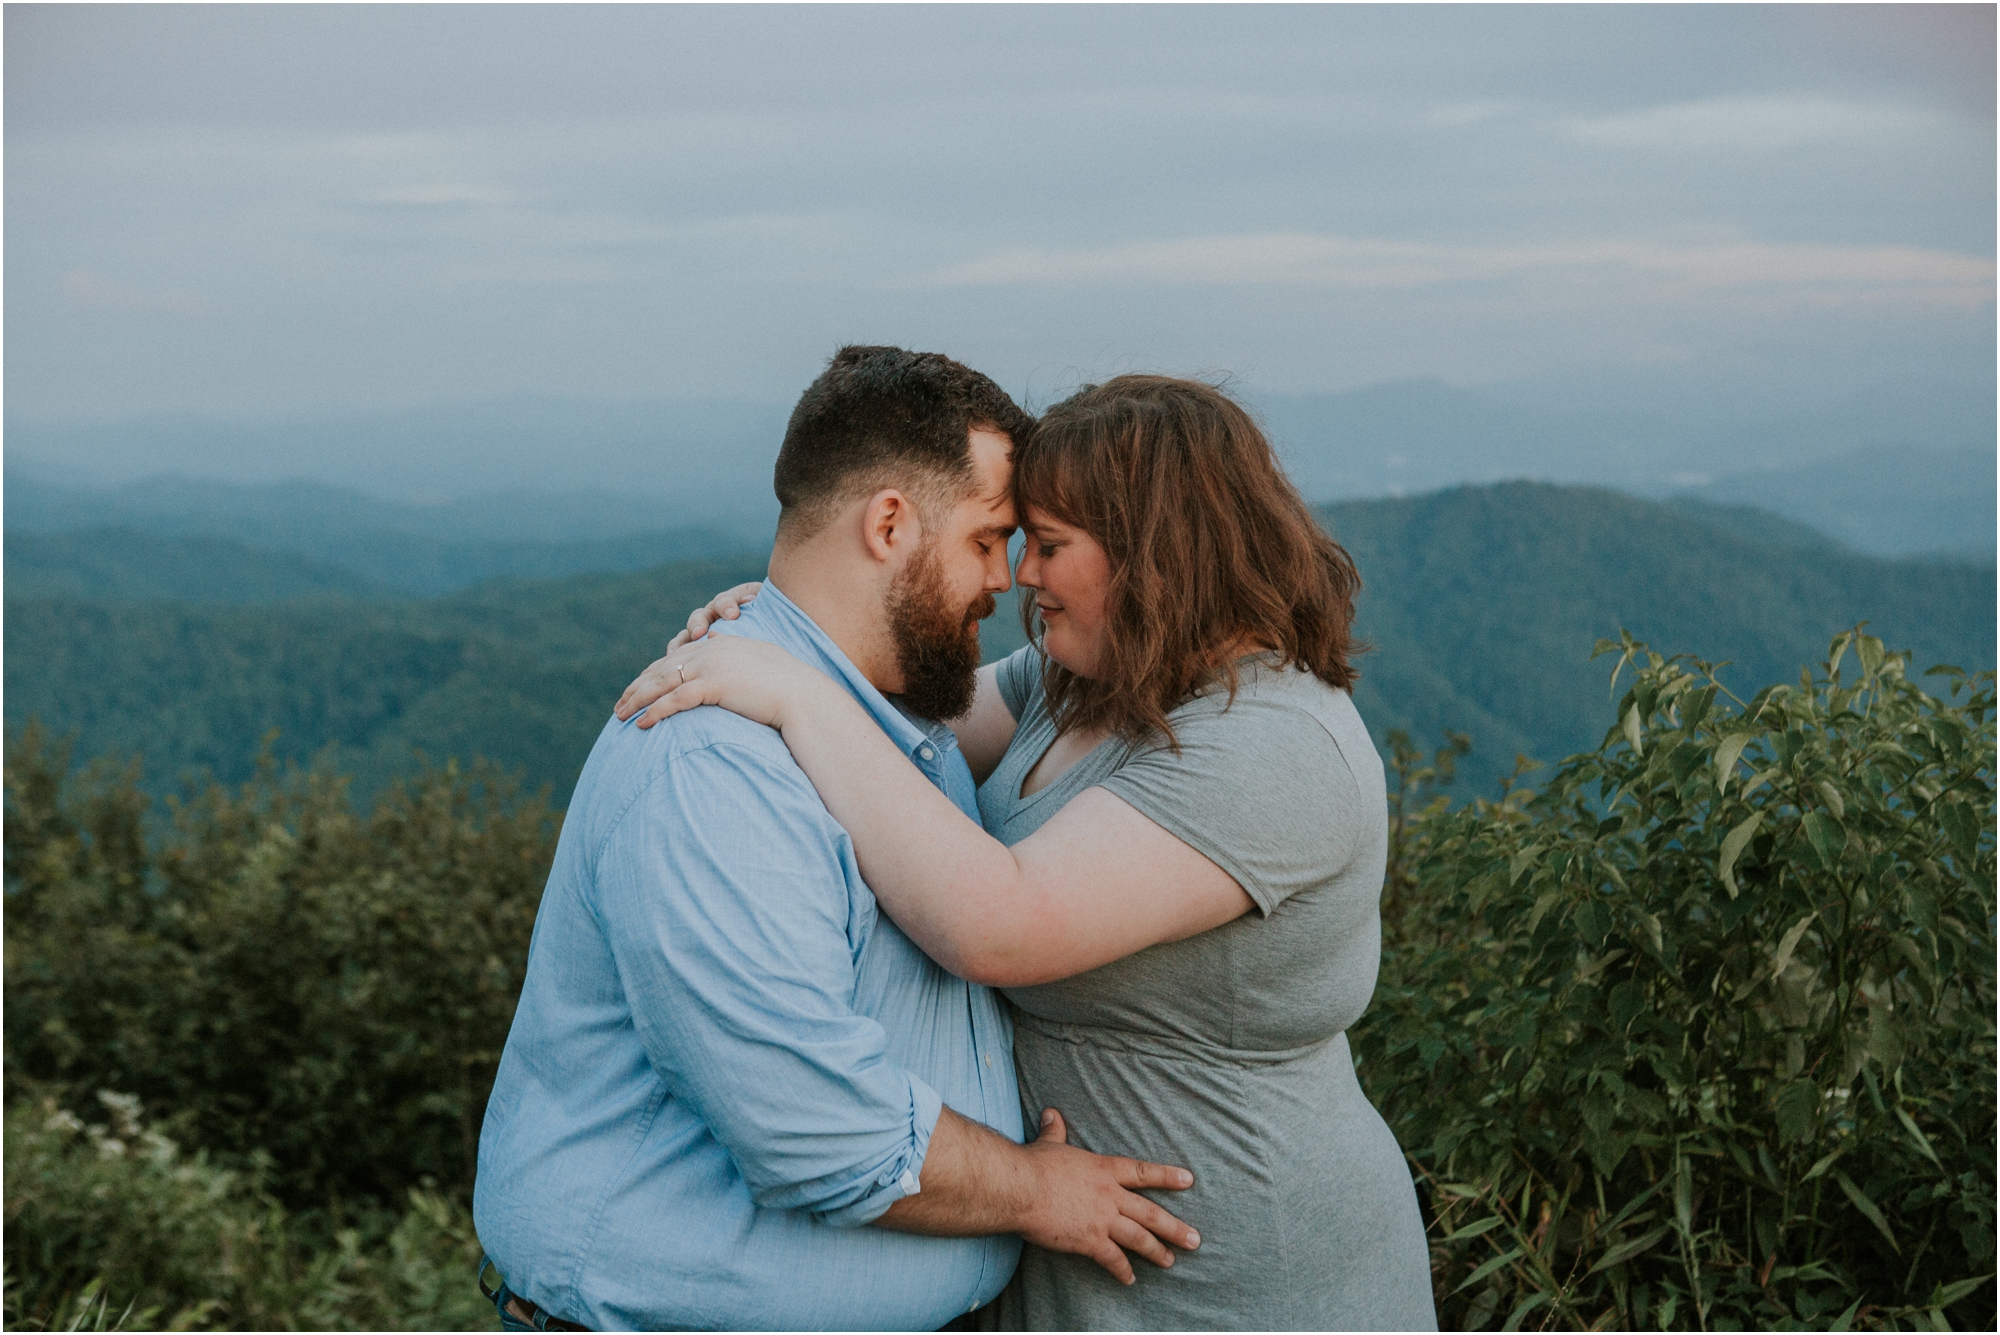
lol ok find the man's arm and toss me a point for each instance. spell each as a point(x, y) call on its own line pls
point(976, 1181)
point(724, 903)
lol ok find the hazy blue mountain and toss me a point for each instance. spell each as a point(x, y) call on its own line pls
point(701, 463)
point(1886, 473)
point(1419, 435)
point(1482, 604)
point(1895, 502)
point(547, 469)
point(120, 565)
point(404, 549)
point(1761, 526)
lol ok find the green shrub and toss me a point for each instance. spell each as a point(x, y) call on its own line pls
point(291, 979)
point(109, 1224)
point(1701, 1033)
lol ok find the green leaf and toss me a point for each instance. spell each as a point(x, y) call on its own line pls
point(1797, 1106)
point(1633, 1204)
point(1947, 1294)
point(1634, 729)
point(1827, 836)
point(1790, 943)
point(1528, 1304)
point(1543, 903)
point(1916, 1133)
point(1597, 1111)
point(1488, 1269)
point(1486, 1225)
point(1961, 826)
point(1625, 1251)
point(1463, 1191)
point(1627, 1000)
point(1866, 1206)
point(1869, 649)
point(1683, 1197)
point(1726, 756)
point(1684, 760)
point(1846, 1319)
point(1733, 845)
point(1650, 924)
point(1522, 861)
point(1883, 1043)
point(1695, 708)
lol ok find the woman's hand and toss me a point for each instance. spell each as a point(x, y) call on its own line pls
point(725, 606)
point(753, 678)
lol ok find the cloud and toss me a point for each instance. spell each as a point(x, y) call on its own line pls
point(1755, 124)
point(442, 193)
point(95, 291)
point(1451, 115)
point(1799, 272)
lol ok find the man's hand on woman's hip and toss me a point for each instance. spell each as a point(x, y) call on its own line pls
point(1053, 1194)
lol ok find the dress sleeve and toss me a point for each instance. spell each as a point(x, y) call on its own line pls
point(1259, 788)
point(1020, 676)
point(722, 895)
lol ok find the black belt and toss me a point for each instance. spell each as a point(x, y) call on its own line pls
point(526, 1313)
point(518, 1307)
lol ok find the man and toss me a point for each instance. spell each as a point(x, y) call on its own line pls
point(735, 1095)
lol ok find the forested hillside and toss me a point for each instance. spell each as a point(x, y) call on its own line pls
point(123, 565)
point(521, 673)
point(1482, 604)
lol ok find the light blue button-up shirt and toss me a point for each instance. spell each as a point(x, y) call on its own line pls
point(726, 1060)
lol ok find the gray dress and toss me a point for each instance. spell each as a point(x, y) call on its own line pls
point(1226, 1052)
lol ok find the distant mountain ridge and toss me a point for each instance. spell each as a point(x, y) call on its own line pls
point(699, 463)
point(1485, 601)
point(1482, 604)
point(396, 550)
point(1894, 502)
point(1885, 471)
point(122, 565)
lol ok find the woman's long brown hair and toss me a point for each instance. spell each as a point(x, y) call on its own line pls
point(1213, 553)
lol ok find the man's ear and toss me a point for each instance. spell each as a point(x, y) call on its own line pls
point(890, 529)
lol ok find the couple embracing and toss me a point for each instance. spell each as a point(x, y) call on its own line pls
point(904, 993)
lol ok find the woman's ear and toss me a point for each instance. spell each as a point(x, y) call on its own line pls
point(890, 529)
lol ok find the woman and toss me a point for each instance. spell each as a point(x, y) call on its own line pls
point(1178, 879)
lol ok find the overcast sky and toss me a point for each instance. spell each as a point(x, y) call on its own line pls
point(255, 212)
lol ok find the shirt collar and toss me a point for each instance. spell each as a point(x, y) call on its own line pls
point(774, 617)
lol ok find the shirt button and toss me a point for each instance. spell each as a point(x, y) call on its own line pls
point(989, 1059)
point(926, 753)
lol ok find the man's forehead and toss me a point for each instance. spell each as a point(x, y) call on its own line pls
point(993, 464)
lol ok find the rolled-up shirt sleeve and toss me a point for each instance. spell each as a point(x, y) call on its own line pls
point(722, 893)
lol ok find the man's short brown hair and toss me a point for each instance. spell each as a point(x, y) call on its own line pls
point(885, 417)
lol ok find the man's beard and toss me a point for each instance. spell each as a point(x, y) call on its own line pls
point(937, 639)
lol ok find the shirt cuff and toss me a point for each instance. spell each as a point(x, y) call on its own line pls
point(904, 1172)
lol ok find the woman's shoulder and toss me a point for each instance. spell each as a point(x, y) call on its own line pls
point(1266, 694)
point(1019, 676)
point(1278, 715)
